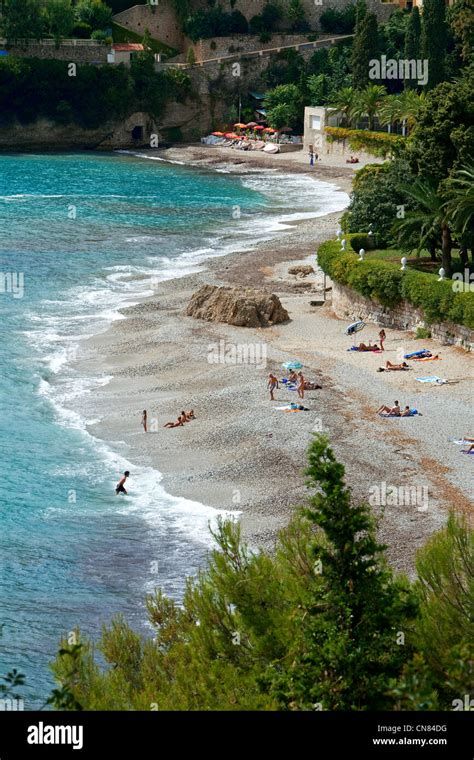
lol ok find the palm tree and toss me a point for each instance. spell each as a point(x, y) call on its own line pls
point(367, 102)
point(410, 106)
point(428, 223)
point(459, 206)
point(390, 110)
point(343, 104)
point(403, 108)
point(460, 198)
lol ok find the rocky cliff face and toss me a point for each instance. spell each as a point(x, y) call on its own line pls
point(236, 306)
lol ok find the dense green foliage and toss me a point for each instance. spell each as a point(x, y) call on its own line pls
point(214, 22)
point(32, 88)
point(384, 282)
point(322, 623)
point(338, 22)
point(377, 198)
point(36, 19)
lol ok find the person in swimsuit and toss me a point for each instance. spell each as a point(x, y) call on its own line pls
point(144, 420)
point(389, 365)
point(395, 410)
point(364, 347)
point(271, 385)
point(190, 415)
point(179, 422)
point(406, 412)
point(301, 384)
point(120, 487)
point(293, 377)
point(382, 337)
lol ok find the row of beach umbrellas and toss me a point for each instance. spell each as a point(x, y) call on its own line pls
point(253, 126)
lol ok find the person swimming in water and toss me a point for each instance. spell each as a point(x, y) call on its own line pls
point(120, 488)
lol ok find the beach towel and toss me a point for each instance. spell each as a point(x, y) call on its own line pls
point(367, 351)
point(433, 379)
point(467, 452)
point(422, 352)
point(413, 412)
point(459, 442)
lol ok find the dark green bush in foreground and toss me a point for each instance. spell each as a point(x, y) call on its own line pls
point(322, 624)
point(386, 283)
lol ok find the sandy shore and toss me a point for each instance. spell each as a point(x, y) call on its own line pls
point(243, 454)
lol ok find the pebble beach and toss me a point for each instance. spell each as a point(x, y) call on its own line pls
point(244, 455)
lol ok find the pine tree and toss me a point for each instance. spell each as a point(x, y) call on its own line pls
point(351, 635)
point(433, 39)
point(365, 49)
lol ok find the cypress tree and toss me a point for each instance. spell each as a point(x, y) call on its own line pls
point(433, 39)
point(364, 49)
point(413, 41)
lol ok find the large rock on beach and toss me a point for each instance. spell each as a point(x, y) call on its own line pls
point(301, 270)
point(236, 306)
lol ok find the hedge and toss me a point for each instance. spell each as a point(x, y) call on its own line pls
point(384, 282)
point(377, 143)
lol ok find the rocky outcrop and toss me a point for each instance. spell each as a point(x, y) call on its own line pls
point(236, 306)
point(303, 270)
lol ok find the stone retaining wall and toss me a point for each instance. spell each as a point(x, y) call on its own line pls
point(350, 305)
point(93, 53)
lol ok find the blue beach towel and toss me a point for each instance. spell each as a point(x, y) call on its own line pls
point(431, 379)
point(413, 412)
point(422, 352)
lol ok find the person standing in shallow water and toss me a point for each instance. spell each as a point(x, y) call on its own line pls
point(145, 421)
point(120, 487)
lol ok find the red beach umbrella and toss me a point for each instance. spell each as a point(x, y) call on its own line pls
point(218, 134)
point(258, 127)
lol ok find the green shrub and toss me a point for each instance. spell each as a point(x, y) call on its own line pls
point(422, 333)
point(362, 241)
point(385, 283)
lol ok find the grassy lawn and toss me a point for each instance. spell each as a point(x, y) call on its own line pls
point(120, 34)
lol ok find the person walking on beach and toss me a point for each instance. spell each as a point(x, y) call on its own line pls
point(144, 421)
point(120, 487)
point(301, 382)
point(382, 337)
point(272, 384)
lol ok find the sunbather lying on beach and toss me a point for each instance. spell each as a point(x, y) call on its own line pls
point(311, 386)
point(470, 447)
point(190, 415)
point(393, 367)
point(179, 422)
point(364, 347)
point(394, 410)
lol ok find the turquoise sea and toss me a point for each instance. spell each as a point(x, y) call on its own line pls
point(82, 235)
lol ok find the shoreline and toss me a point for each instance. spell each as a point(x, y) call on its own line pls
point(241, 454)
